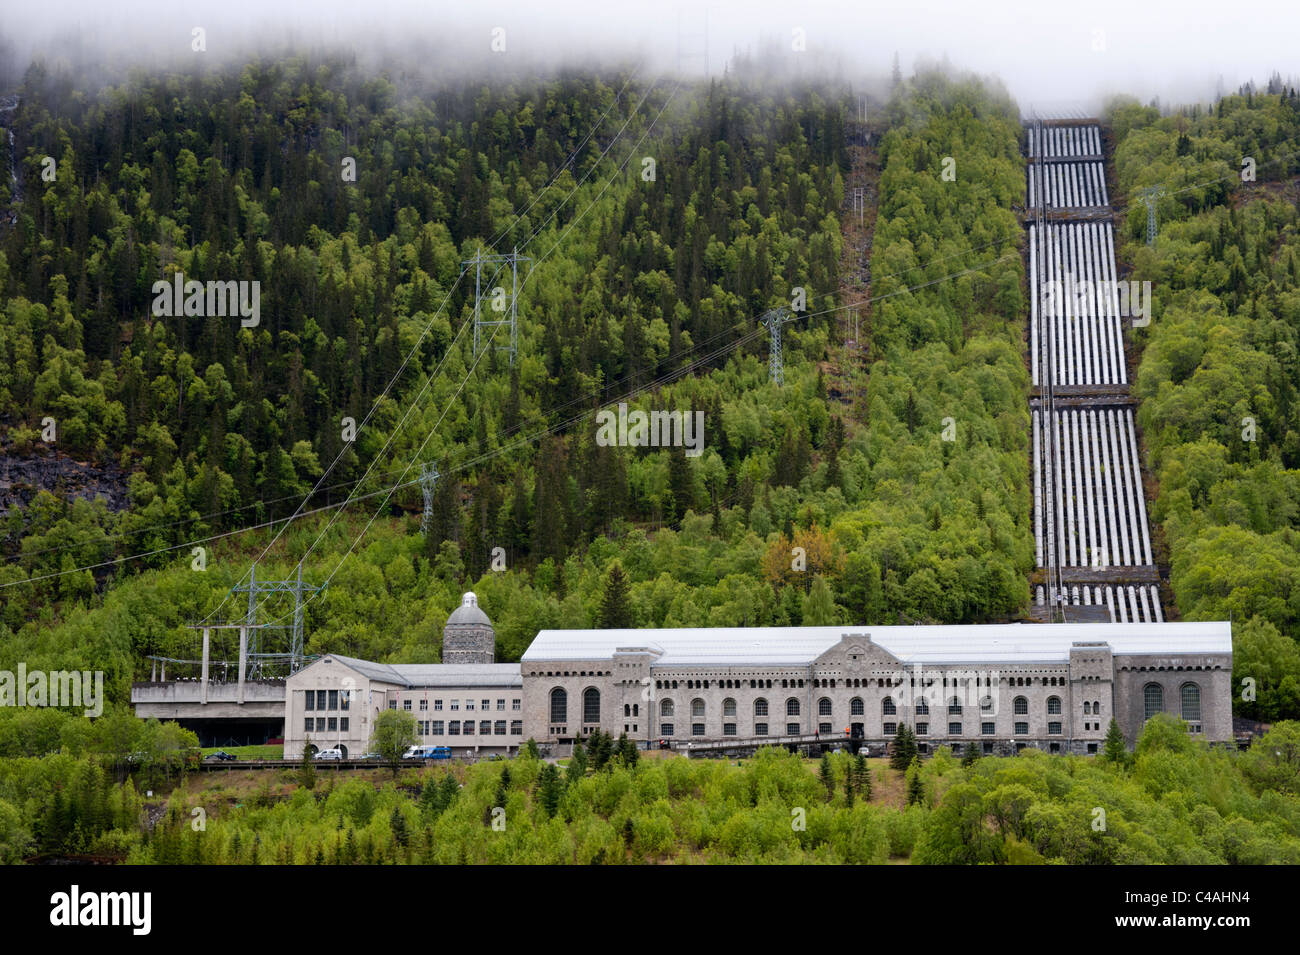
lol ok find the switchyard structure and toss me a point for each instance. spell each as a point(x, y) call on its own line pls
point(1091, 536)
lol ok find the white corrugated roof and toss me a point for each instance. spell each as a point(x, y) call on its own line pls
point(436, 674)
point(798, 646)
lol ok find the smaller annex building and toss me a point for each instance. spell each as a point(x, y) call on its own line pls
point(472, 705)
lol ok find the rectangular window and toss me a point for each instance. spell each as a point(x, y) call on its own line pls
point(437, 706)
point(309, 724)
point(791, 729)
point(954, 729)
point(823, 727)
point(345, 700)
point(311, 700)
point(392, 704)
point(485, 728)
point(515, 705)
point(1053, 729)
point(516, 727)
point(665, 729)
point(922, 729)
point(469, 705)
point(890, 729)
point(1054, 748)
point(320, 724)
point(501, 704)
point(697, 729)
point(436, 728)
point(1022, 729)
point(343, 724)
point(334, 699)
point(988, 749)
point(333, 725)
point(988, 729)
point(1092, 749)
point(499, 728)
point(487, 705)
point(455, 704)
point(728, 729)
point(424, 706)
point(453, 728)
point(406, 705)
point(760, 729)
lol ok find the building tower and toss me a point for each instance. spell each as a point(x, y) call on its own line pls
point(468, 636)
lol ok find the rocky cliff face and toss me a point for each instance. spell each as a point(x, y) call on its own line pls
point(23, 475)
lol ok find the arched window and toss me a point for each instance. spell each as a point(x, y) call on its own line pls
point(856, 706)
point(697, 708)
point(1191, 700)
point(887, 706)
point(729, 707)
point(559, 705)
point(1053, 706)
point(986, 705)
point(922, 706)
point(591, 705)
point(824, 706)
point(1087, 708)
point(760, 707)
point(1153, 699)
point(792, 707)
point(665, 707)
point(954, 706)
point(1020, 706)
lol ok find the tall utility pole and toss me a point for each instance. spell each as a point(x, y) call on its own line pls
point(511, 259)
point(1149, 196)
point(428, 481)
point(773, 319)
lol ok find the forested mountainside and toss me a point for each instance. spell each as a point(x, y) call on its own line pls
point(652, 288)
point(1220, 369)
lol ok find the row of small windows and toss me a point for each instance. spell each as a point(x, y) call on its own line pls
point(457, 728)
point(323, 724)
point(856, 682)
point(327, 700)
point(453, 705)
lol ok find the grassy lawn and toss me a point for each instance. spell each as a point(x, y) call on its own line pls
point(249, 752)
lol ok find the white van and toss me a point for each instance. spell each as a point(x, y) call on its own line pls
point(334, 753)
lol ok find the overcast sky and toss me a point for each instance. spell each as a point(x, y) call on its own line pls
point(1048, 53)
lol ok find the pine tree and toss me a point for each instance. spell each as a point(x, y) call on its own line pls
point(827, 776)
point(969, 757)
point(904, 748)
point(915, 787)
point(862, 776)
point(1115, 750)
point(307, 767)
point(615, 610)
point(549, 789)
point(848, 789)
point(397, 822)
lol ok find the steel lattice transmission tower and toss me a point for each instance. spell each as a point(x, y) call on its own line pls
point(1149, 196)
point(428, 481)
point(773, 319)
point(511, 259)
point(254, 630)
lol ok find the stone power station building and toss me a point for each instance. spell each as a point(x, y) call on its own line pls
point(1002, 686)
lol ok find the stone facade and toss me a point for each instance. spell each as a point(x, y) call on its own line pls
point(468, 636)
point(857, 689)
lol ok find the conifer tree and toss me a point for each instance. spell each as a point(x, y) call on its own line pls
point(915, 787)
point(615, 609)
point(969, 757)
point(1115, 751)
point(862, 776)
point(827, 776)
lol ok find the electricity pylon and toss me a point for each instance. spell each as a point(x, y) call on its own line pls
point(511, 259)
point(428, 480)
point(1149, 196)
point(773, 319)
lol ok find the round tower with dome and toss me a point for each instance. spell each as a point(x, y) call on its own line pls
point(468, 636)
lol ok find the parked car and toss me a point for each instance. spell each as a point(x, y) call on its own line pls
point(329, 754)
point(220, 754)
point(371, 756)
